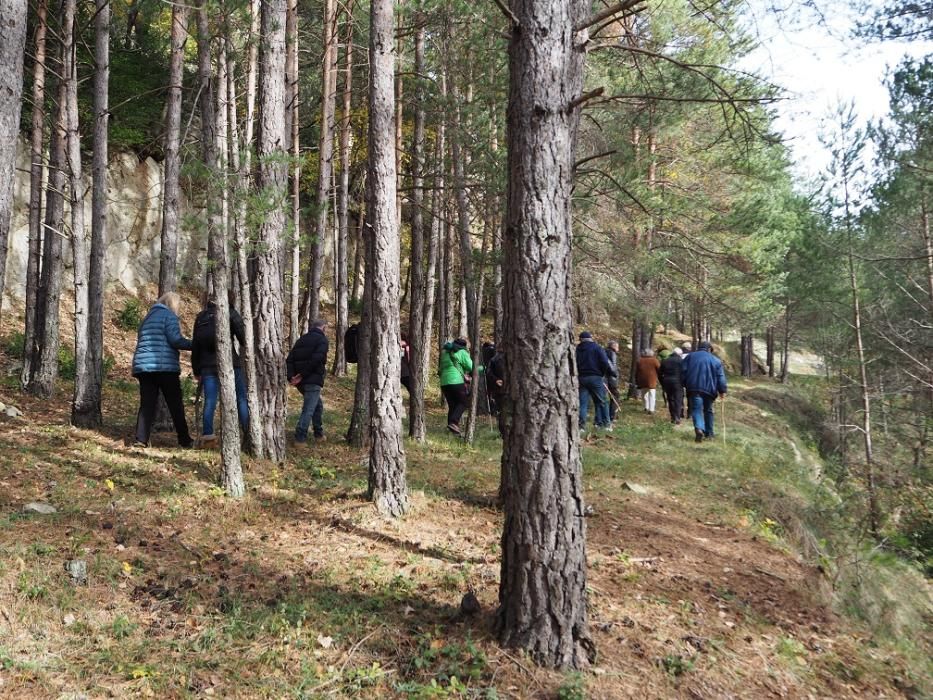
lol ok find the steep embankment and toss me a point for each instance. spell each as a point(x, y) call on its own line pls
point(696, 587)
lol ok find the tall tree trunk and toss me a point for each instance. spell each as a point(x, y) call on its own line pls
point(387, 484)
point(87, 408)
point(358, 253)
point(252, 72)
point(468, 277)
point(419, 289)
point(325, 156)
point(76, 193)
point(343, 203)
point(770, 351)
point(291, 76)
point(213, 131)
point(747, 355)
point(36, 173)
point(48, 342)
point(12, 50)
point(358, 433)
point(542, 594)
point(273, 184)
point(172, 167)
point(475, 338)
point(241, 167)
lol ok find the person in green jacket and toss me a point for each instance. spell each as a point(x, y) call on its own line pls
point(455, 368)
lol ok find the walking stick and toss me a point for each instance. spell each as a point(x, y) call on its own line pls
point(611, 397)
point(197, 418)
point(724, 419)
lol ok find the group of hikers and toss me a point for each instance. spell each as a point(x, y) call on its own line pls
point(697, 375)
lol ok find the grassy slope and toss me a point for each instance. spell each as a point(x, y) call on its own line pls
point(302, 591)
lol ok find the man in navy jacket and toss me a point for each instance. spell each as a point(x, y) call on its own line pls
point(592, 366)
point(704, 379)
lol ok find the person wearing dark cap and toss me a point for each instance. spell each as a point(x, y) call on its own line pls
point(592, 366)
point(455, 368)
point(704, 380)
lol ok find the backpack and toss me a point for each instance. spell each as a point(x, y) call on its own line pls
point(349, 343)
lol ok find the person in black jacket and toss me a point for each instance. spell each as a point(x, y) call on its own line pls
point(306, 365)
point(204, 366)
point(672, 381)
point(495, 373)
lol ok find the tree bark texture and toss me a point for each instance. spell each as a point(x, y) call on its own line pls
point(273, 184)
point(12, 50)
point(341, 282)
point(542, 594)
point(36, 174)
point(172, 167)
point(213, 129)
point(295, 325)
point(387, 484)
point(419, 290)
point(325, 156)
point(48, 342)
point(358, 433)
point(241, 168)
point(76, 194)
point(87, 409)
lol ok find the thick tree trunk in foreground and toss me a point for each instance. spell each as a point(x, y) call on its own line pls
point(231, 470)
point(172, 167)
point(87, 408)
point(542, 594)
point(12, 49)
point(76, 193)
point(36, 173)
point(387, 484)
point(273, 184)
point(341, 283)
point(325, 156)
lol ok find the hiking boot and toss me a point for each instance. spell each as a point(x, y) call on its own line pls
point(208, 441)
point(320, 437)
point(140, 444)
point(454, 428)
point(698, 435)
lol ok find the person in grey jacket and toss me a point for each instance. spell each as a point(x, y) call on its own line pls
point(612, 379)
point(156, 366)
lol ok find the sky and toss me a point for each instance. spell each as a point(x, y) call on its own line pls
point(819, 64)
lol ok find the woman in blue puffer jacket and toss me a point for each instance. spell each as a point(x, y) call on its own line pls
point(155, 365)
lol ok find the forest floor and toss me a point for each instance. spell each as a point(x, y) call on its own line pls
point(302, 590)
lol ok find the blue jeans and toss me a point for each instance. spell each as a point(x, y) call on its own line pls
point(594, 387)
point(701, 411)
point(312, 412)
point(210, 384)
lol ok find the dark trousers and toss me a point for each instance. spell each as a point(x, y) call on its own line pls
point(615, 399)
point(457, 397)
point(674, 395)
point(150, 384)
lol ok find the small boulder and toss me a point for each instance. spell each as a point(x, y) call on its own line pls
point(12, 412)
point(77, 570)
point(40, 508)
point(635, 488)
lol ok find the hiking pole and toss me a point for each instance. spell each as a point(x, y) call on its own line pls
point(724, 419)
point(611, 397)
point(197, 418)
